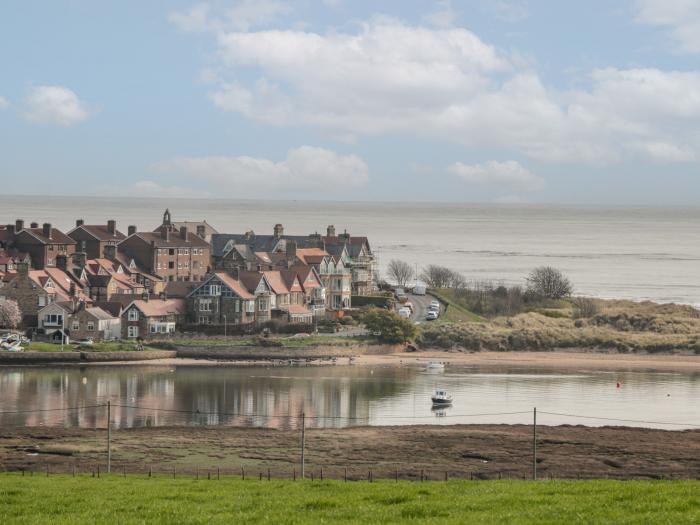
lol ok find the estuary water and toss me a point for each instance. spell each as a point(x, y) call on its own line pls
point(611, 252)
point(340, 396)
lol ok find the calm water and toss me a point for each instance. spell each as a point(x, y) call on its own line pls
point(625, 252)
point(340, 396)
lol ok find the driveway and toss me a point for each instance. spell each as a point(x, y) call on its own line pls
point(420, 306)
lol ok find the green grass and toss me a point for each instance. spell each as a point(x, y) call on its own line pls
point(455, 312)
point(287, 341)
point(62, 499)
point(114, 346)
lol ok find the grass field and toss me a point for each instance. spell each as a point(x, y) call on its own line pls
point(60, 499)
point(112, 346)
point(285, 341)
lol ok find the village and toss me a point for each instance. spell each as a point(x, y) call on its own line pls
point(97, 283)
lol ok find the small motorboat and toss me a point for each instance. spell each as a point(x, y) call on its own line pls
point(441, 398)
point(434, 366)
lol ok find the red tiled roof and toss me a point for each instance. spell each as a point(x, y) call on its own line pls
point(159, 307)
point(235, 285)
point(57, 236)
point(175, 240)
point(276, 282)
point(99, 231)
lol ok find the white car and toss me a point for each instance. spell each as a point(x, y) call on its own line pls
point(405, 313)
point(435, 303)
point(431, 316)
point(433, 308)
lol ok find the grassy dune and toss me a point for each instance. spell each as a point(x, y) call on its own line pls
point(164, 500)
point(622, 326)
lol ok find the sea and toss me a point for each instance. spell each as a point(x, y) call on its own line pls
point(638, 253)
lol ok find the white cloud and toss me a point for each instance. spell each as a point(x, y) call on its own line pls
point(55, 105)
point(389, 77)
point(443, 16)
point(681, 17)
point(305, 169)
point(509, 174)
point(4, 103)
point(196, 20)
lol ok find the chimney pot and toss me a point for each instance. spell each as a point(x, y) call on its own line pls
point(278, 231)
point(34, 225)
point(19, 225)
point(201, 231)
point(330, 231)
point(131, 230)
point(79, 222)
point(112, 227)
point(10, 230)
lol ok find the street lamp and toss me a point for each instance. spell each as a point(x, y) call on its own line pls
point(63, 329)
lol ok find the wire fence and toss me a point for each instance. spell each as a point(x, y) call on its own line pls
point(304, 449)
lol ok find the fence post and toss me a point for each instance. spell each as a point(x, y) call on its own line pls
point(268, 474)
point(294, 474)
point(396, 475)
point(345, 477)
point(98, 471)
point(534, 443)
point(303, 441)
point(321, 473)
point(218, 473)
point(109, 437)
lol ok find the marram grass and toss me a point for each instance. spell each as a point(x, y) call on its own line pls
point(136, 499)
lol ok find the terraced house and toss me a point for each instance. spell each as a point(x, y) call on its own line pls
point(96, 237)
point(42, 244)
point(169, 253)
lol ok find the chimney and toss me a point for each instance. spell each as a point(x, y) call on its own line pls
point(71, 290)
point(165, 233)
point(10, 230)
point(330, 231)
point(62, 262)
point(19, 225)
point(183, 232)
point(112, 227)
point(201, 231)
point(131, 230)
point(23, 268)
point(46, 229)
point(249, 235)
point(79, 223)
point(79, 259)
point(34, 225)
point(315, 240)
point(345, 236)
point(291, 250)
point(163, 296)
point(144, 296)
point(278, 231)
point(110, 252)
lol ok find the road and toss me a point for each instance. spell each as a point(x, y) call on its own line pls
point(420, 306)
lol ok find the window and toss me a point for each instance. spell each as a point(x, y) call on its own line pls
point(50, 247)
point(195, 265)
point(205, 305)
point(237, 306)
point(75, 325)
point(42, 300)
point(250, 307)
point(171, 265)
point(91, 326)
point(133, 331)
point(203, 319)
point(133, 315)
point(262, 305)
point(53, 319)
point(214, 289)
point(179, 266)
point(171, 251)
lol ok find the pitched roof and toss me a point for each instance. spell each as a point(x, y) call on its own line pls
point(99, 314)
point(235, 285)
point(57, 236)
point(276, 281)
point(100, 232)
point(158, 307)
point(296, 309)
point(175, 240)
point(114, 308)
point(176, 289)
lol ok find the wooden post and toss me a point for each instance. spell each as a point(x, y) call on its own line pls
point(173, 473)
point(261, 476)
point(534, 443)
point(73, 471)
point(124, 471)
point(208, 474)
point(421, 475)
point(268, 474)
point(294, 474)
point(345, 478)
point(47, 470)
point(109, 437)
point(312, 475)
point(150, 471)
point(396, 476)
point(218, 473)
point(445, 475)
point(303, 441)
point(196, 473)
point(243, 473)
point(321, 473)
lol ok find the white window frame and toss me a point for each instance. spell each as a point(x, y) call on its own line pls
point(133, 315)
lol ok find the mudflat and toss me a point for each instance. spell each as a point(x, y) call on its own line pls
point(460, 451)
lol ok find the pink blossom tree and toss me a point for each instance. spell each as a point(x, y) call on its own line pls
point(10, 314)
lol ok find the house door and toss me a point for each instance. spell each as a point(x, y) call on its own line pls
point(133, 332)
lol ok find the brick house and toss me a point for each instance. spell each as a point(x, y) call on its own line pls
point(96, 236)
point(219, 296)
point(34, 289)
point(173, 255)
point(202, 228)
point(42, 244)
point(150, 317)
point(78, 321)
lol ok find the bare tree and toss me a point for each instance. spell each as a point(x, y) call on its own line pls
point(400, 272)
point(10, 314)
point(549, 282)
point(437, 276)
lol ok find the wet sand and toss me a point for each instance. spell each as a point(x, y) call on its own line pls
point(461, 451)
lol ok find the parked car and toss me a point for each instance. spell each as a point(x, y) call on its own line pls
point(408, 304)
point(435, 303)
point(431, 316)
point(434, 308)
point(405, 313)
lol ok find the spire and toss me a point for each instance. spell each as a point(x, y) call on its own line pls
point(166, 217)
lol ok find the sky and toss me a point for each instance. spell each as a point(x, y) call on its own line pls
point(502, 101)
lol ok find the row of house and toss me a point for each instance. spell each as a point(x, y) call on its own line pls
point(179, 273)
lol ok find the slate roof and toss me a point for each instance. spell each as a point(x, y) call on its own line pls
point(175, 241)
point(99, 231)
point(57, 236)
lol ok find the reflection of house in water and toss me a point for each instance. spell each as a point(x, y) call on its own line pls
point(194, 395)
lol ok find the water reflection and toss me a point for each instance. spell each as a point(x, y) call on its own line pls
point(338, 396)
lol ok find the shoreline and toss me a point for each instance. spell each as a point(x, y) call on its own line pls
point(569, 359)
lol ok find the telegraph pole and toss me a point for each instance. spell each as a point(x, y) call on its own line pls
point(109, 437)
point(534, 443)
point(303, 441)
